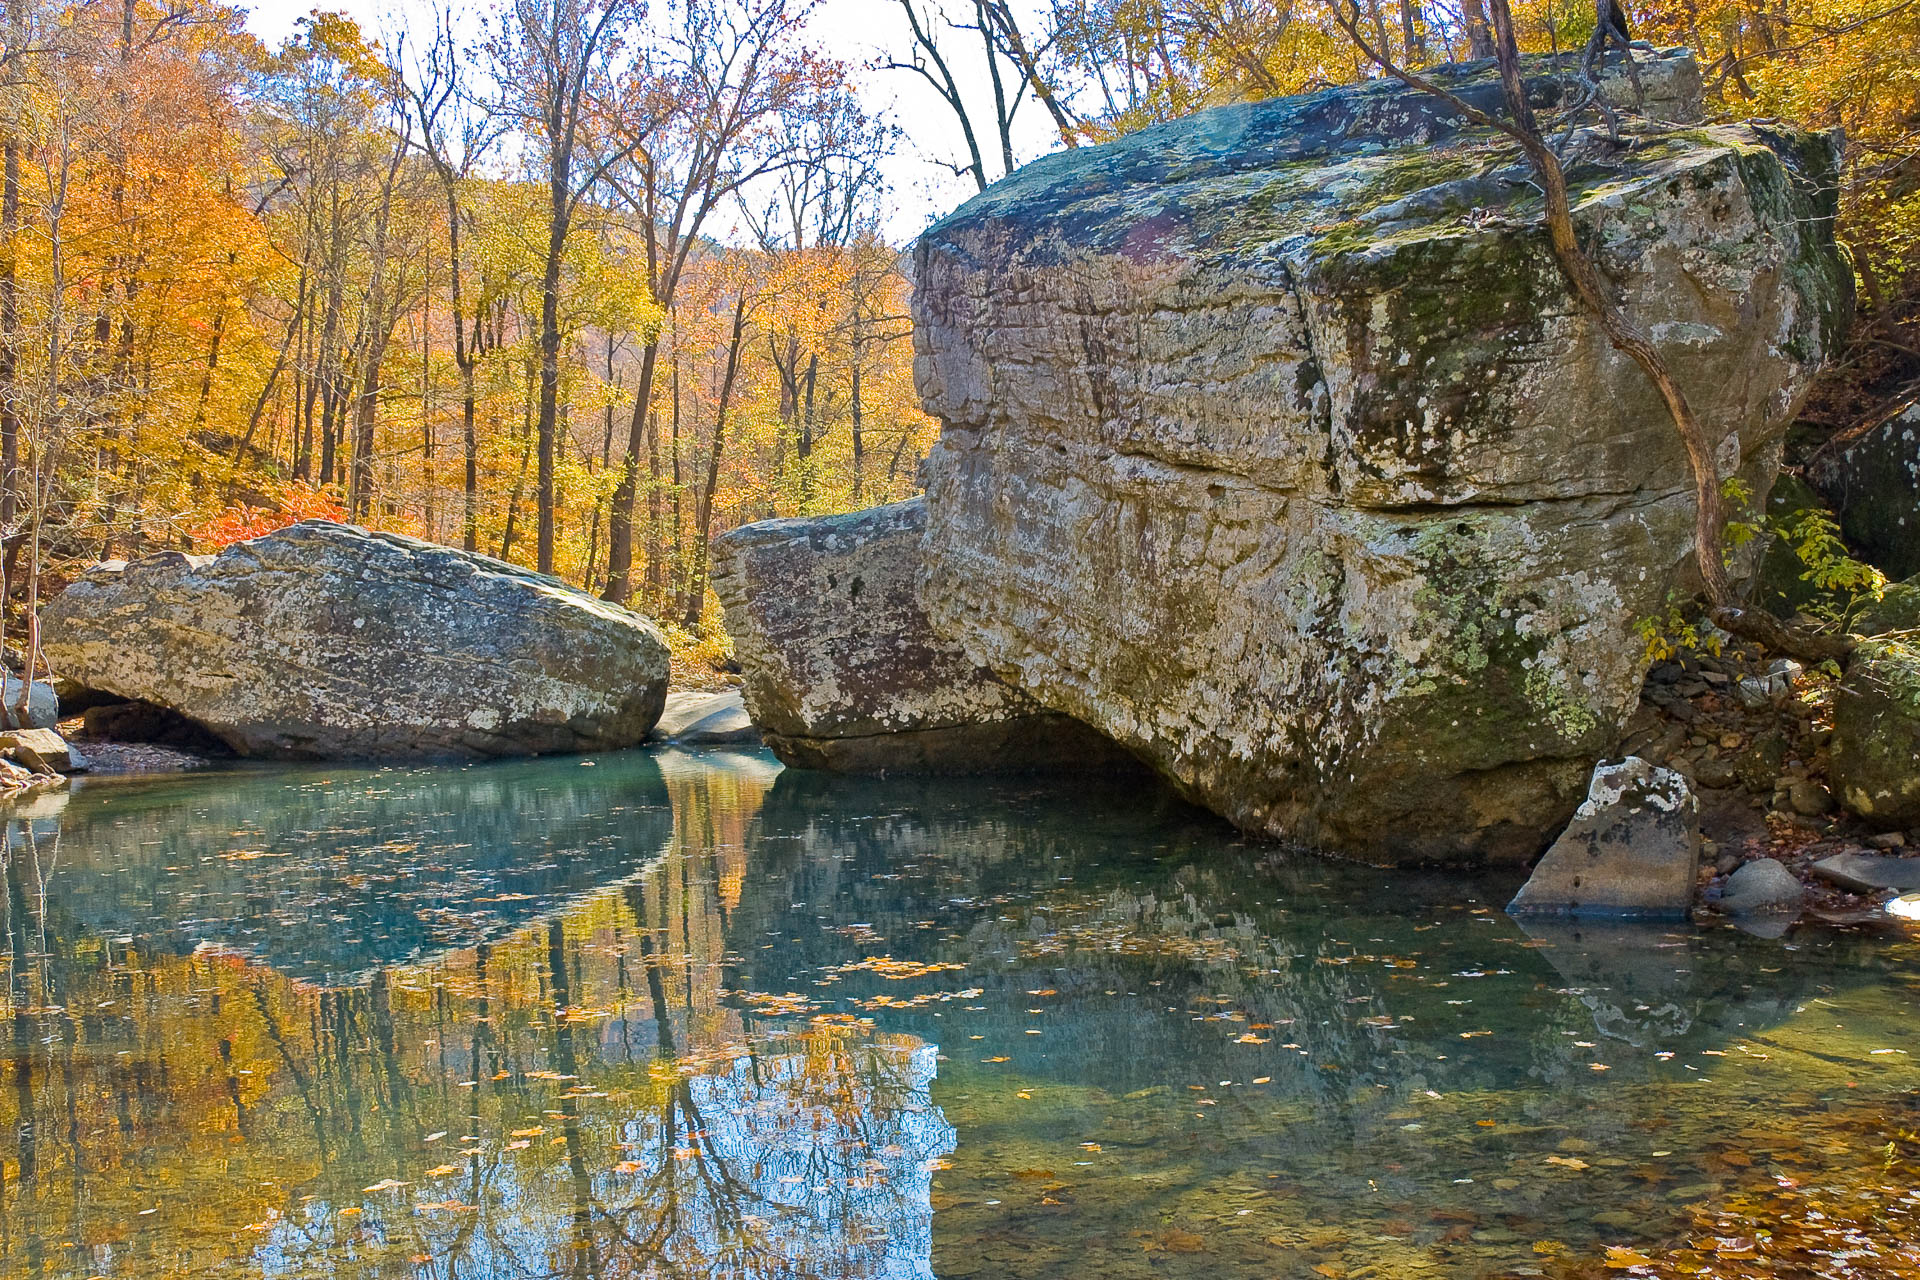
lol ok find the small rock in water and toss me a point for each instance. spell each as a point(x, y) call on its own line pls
point(1632, 849)
point(706, 719)
point(1764, 885)
point(1905, 907)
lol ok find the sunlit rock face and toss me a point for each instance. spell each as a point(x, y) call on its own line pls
point(326, 641)
point(843, 672)
point(1275, 447)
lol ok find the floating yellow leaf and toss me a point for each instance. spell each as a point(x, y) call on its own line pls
point(1620, 1258)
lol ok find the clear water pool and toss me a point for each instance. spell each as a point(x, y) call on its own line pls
point(688, 1015)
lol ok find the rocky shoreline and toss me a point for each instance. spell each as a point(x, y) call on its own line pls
point(1761, 771)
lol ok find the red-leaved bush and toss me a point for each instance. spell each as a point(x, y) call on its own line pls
point(295, 501)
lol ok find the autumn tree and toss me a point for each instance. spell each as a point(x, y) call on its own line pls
point(560, 65)
point(726, 73)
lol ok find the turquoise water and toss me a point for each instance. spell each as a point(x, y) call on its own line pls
point(689, 1015)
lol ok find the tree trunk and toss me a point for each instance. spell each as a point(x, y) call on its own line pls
point(626, 494)
point(1479, 34)
point(696, 597)
point(549, 382)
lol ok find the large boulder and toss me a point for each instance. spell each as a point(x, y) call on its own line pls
point(327, 641)
point(1873, 481)
point(1275, 447)
point(1875, 762)
point(842, 671)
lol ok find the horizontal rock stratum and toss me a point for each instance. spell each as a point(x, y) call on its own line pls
point(326, 641)
point(1275, 448)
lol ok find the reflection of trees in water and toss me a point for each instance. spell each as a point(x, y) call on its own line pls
point(579, 1095)
point(569, 1100)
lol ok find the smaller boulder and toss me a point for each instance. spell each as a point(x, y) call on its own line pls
point(324, 641)
point(844, 672)
point(1762, 887)
point(43, 707)
point(1873, 481)
point(1632, 849)
point(1875, 762)
point(42, 750)
point(707, 720)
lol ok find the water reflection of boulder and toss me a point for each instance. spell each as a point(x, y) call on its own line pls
point(1170, 941)
point(325, 874)
point(1652, 987)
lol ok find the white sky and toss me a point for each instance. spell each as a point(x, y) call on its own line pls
point(855, 31)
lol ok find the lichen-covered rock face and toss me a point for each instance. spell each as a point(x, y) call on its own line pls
point(1873, 480)
point(325, 641)
point(1875, 764)
point(1632, 849)
point(1275, 448)
point(842, 671)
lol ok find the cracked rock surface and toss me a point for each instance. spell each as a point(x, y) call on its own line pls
point(1275, 448)
point(326, 641)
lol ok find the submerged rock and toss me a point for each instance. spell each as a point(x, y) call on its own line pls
point(1275, 448)
point(1875, 763)
point(1632, 849)
point(1873, 481)
point(843, 672)
point(327, 641)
